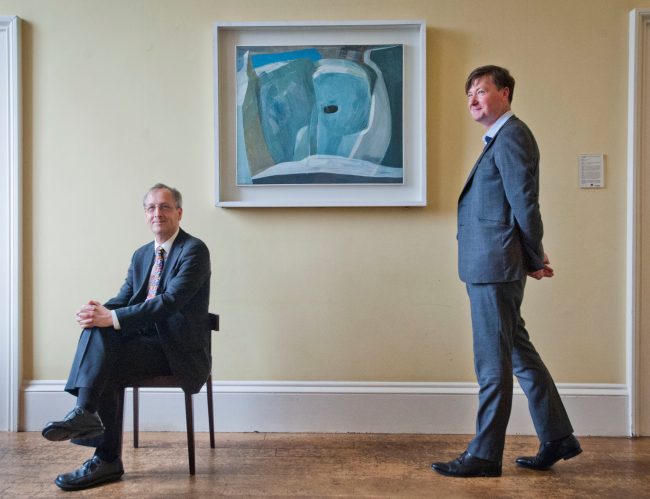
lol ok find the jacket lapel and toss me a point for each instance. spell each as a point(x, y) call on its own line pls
point(485, 149)
point(146, 262)
point(174, 254)
point(473, 170)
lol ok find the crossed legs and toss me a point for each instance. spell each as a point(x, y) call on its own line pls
point(106, 360)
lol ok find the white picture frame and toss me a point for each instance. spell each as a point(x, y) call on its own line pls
point(410, 34)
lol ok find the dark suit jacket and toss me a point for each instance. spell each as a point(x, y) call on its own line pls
point(499, 223)
point(180, 310)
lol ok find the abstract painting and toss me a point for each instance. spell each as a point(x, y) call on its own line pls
point(320, 114)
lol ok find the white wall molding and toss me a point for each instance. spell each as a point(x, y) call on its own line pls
point(11, 223)
point(445, 408)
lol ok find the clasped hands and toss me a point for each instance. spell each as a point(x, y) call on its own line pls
point(94, 314)
point(544, 272)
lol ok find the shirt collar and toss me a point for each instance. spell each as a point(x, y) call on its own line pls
point(167, 245)
point(496, 126)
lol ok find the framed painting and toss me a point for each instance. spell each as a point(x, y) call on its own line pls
point(320, 114)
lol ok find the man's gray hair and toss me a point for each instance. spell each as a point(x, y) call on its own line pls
point(178, 198)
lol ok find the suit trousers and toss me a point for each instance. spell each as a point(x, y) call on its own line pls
point(106, 361)
point(502, 348)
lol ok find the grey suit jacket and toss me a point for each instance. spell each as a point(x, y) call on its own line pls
point(499, 223)
point(180, 310)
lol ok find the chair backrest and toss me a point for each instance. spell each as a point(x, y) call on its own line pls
point(170, 381)
point(214, 321)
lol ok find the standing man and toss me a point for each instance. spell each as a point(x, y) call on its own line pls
point(499, 244)
point(158, 324)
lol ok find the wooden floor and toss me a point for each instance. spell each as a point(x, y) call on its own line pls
point(323, 465)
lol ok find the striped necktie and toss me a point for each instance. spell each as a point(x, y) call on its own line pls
point(156, 272)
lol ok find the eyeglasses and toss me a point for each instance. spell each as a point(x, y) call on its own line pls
point(164, 207)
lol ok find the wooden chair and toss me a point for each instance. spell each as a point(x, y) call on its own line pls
point(172, 382)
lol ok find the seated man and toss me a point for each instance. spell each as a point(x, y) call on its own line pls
point(158, 324)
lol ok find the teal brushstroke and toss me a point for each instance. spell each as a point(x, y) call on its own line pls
point(260, 60)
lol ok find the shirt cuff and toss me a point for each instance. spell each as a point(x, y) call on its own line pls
point(116, 323)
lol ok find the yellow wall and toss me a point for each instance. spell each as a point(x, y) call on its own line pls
point(118, 96)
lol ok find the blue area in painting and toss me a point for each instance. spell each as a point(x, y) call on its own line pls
point(285, 98)
point(319, 115)
point(343, 98)
point(264, 59)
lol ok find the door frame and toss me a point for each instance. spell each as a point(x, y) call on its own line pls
point(639, 33)
point(11, 216)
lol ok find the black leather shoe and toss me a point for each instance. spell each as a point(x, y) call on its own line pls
point(93, 472)
point(78, 423)
point(551, 452)
point(467, 465)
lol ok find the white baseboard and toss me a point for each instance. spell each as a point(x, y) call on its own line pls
point(356, 407)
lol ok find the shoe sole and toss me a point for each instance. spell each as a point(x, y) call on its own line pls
point(566, 457)
point(55, 434)
point(101, 481)
point(486, 474)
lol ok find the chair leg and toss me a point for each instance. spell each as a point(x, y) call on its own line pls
point(120, 413)
point(136, 418)
point(189, 416)
point(208, 389)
